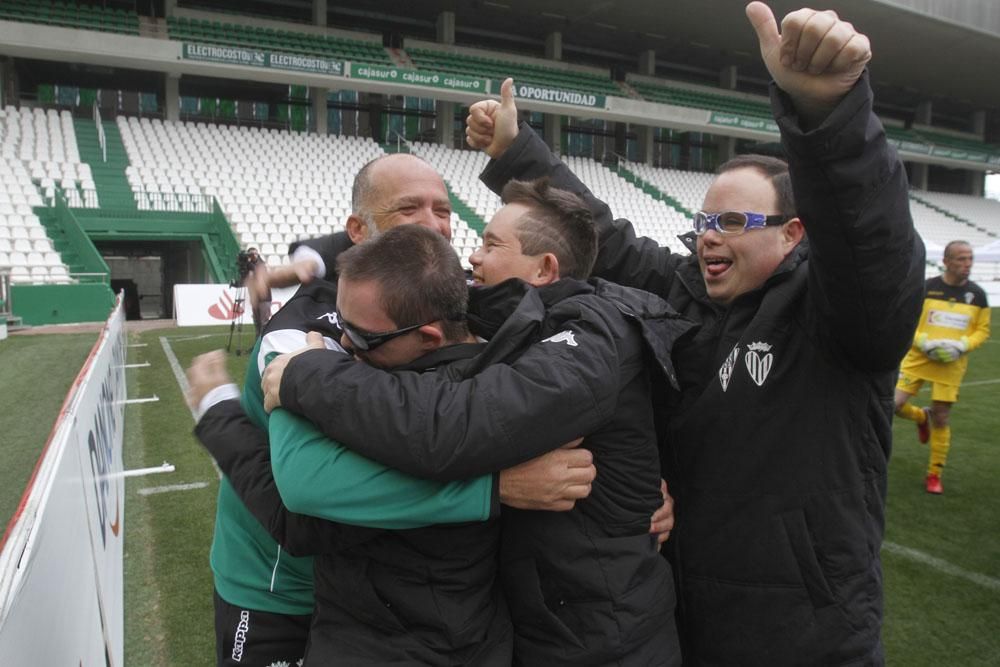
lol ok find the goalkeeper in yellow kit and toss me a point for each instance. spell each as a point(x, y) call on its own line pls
point(955, 321)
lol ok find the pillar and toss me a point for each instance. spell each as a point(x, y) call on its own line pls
point(923, 113)
point(726, 147)
point(918, 175)
point(317, 98)
point(553, 45)
point(552, 132)
point(319, 12)
point(727, 77)
point(445, 27)
point(647, 62)
point(645, 136)
point(172, 97)
point(444, 127)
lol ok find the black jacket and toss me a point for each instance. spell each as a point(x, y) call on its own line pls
point(426, 596)
point(586, 586)
point(778, 449)
point(422, 596)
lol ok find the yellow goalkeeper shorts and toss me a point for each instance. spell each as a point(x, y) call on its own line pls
point(911, 384)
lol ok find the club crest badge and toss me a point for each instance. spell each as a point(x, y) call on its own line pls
point(726, 370)
point(759, 360)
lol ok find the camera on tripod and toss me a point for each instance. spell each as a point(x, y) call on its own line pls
point(245, 262)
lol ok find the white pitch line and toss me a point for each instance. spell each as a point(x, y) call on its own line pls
point(942, 565)
point(183, 384)
point(980, 382)
point(198, 337)
point(152, 490)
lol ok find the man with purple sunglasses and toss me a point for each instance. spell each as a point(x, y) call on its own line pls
point(778, 447)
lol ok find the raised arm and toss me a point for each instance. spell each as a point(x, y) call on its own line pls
point(866, 261)
point(517, 152)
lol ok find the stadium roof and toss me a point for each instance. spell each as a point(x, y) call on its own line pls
point(917, 56)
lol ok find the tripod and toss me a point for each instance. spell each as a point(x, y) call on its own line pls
point(236, 326)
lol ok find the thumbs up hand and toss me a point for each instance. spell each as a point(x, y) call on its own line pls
point(816, 58)
point(492, 126)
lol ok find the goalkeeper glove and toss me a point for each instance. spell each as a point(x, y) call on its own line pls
point(947, 350)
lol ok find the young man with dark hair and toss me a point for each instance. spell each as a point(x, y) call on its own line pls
point(540, 234)
point(778, 448)
point(955, 321)
point(564, 356)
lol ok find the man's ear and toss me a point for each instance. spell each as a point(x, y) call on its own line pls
point(792, 233)
point(431, 337)
point(357, 230)
point(547, 270)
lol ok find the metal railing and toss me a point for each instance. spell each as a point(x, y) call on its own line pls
point(174, 202)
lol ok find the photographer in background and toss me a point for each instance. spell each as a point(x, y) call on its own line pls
point(251, 268)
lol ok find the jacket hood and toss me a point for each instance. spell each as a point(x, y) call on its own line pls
point(490, 307)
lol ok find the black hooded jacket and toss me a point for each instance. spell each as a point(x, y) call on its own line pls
point(778, 447)
point(570, 359)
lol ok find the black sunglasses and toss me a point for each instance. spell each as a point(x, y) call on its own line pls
point(366, 342)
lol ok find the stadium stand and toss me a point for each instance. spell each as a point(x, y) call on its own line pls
point(684, 97)
point(652, 217)
point(274, 187)
point(937, 227)
point(941, 217)
point(688, 188)
point(71, 15)
point(523, 73)
point(980, 211)
point(38, 152)
point(291, 41)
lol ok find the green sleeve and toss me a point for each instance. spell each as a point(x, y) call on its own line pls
point(252, 396)
point(322, 478)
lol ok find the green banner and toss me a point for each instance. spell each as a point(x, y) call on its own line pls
point(232, 55)
point(417, 77)
point(235, 55)
point(530, 91)
point(744, 122)
point(299, 63)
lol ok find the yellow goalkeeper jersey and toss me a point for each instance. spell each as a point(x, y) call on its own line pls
point(950, 312)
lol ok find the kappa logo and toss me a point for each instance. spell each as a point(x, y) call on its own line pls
point(331, 318)
point(226, 309)
point(726, 370)
point(241, 635)
point(759, 366)
point(562, 337)
point(969, 296)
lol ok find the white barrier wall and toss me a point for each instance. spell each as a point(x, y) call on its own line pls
point(61, 595)
point(200, 305)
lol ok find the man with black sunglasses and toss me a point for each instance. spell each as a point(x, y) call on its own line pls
point(778, 447)
point(422, 587)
